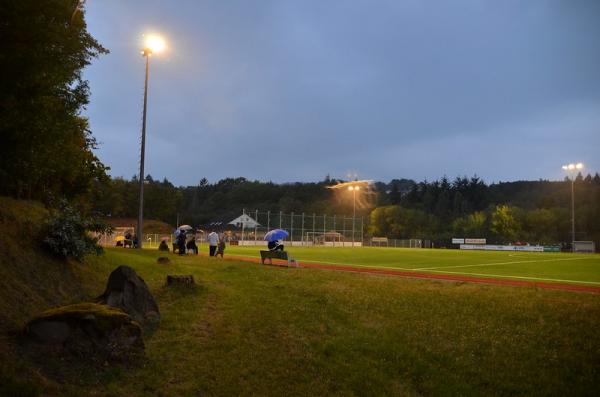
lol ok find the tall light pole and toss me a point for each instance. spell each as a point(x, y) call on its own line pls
point(353, 186)
point(152, 44)
point(353, 189)
point(572, 169)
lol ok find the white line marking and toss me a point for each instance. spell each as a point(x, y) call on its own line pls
point(519, 277)
point(501, 263)
point(382, 267)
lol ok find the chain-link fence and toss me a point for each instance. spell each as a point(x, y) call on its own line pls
point(305, 229)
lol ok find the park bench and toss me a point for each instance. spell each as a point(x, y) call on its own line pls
point(282, 255)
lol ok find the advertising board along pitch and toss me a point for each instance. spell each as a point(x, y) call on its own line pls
point(529, 248)
point(456, 240)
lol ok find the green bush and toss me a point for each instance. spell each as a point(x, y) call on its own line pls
point(67, 233)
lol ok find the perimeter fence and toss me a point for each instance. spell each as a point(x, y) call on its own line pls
point(305, 229)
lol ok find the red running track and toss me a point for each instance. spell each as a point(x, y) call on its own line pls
point(430, 276)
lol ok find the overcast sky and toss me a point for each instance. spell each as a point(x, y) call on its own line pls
point(295, 90)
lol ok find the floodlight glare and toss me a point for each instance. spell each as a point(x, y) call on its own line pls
point(154, 43)
point(350, 187)
point(570, 168)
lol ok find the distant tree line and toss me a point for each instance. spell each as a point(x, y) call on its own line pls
point(207, 202)
point(504, 212)
point(525, 211)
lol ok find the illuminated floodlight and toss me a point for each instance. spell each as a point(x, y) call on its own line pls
point(571, 168)
point(153, 43)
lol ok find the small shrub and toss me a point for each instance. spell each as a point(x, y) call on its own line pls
point(67, 233)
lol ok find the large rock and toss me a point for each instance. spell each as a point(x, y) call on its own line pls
point(128, 291)
point(88, 330)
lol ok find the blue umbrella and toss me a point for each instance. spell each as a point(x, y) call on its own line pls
point(276, 234)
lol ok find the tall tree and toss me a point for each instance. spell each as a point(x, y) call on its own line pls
point(47, 145)
point(504, 224)
point(473, 225)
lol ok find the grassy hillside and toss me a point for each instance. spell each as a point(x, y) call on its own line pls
point(249, 329)
point(31, 280)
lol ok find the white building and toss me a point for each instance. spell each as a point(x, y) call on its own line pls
point(245, 221)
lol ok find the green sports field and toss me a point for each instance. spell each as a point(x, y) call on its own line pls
point(547, 267)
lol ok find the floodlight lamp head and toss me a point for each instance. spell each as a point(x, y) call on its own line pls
point(152, 44)
point(565, 167)
point(579, 166)
point(571, 167)
point(350, 187)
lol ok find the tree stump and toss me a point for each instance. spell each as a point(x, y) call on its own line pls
point(163, 260)
point(180, 279)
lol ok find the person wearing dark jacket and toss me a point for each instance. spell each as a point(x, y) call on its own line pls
point(191, 245)
point(181, 242)
point(275, 246)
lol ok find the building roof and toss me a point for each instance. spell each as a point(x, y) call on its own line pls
point(244, 220)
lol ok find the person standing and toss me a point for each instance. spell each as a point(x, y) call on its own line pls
point(213, 242)
point(181, 242)
point(221, 247)
point(191, 244)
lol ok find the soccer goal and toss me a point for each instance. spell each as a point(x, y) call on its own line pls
point(325, 238)
point(584, 247)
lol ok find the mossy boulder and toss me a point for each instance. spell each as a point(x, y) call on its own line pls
point(87, 330)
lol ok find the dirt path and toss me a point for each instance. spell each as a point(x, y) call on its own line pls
point(430, 276)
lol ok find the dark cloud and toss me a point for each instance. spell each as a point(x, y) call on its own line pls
point(290, 90)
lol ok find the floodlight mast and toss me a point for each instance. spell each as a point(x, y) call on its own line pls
point(571, 168)
point(353, 189)
point(352, 186)
point(152, 44)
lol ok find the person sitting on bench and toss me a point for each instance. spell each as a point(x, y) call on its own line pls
point(275, 245)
